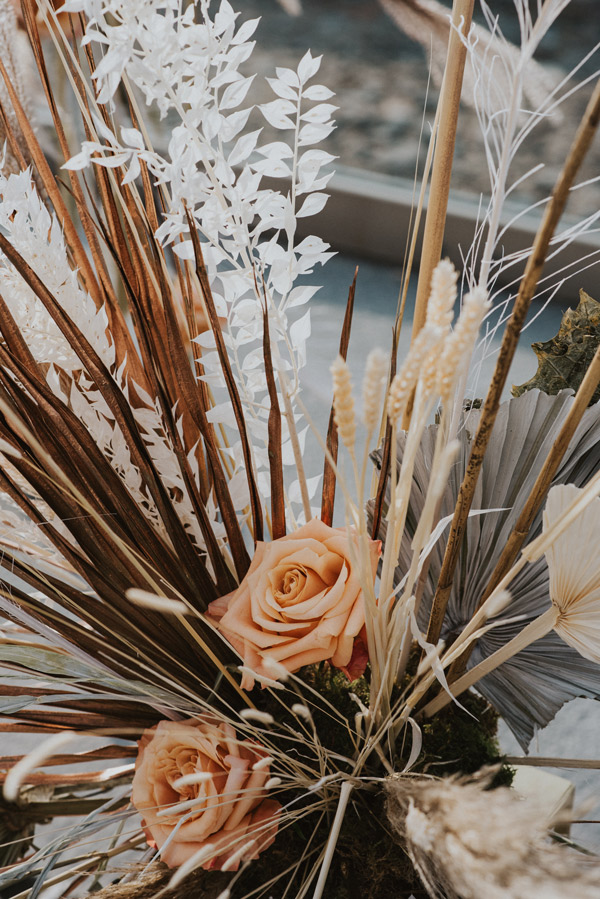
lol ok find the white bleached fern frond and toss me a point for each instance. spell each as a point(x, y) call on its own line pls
point(37, 235)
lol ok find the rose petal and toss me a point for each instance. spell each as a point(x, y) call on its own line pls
point(232, 803)
point(359, 658)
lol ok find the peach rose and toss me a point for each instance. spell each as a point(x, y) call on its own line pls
point(300, 603)
point(232, 805)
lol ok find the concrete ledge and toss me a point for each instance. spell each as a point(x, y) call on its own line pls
point(368, 215)
point(553, 795)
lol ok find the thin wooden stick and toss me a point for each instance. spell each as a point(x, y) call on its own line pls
point(448, 105)
point(445, 140)
point(533, 269)
point(551, 761)
point(329, 479)
point(539, 491)
point(274, 428)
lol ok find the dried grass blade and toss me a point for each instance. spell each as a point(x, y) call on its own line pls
point(190, 404)
point(74, 758)
point(274, 429)
point(386, 455)
point(76, 720)
point(332, 441)
point(255, 502)
point(170, 359)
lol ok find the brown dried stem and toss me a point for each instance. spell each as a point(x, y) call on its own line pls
point(533, 269)
point(328, 494)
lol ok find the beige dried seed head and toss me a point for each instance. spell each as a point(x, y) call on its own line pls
point(459, 345)
point(430, 369)
point(375, 375)
point(343, 403)
point(410, 372)
point(440, 308)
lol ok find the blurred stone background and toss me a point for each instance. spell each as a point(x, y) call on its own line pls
point(381, 80)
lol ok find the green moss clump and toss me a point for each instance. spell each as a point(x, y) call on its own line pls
point(462, 742)
point(369, 860)
point(455, 740)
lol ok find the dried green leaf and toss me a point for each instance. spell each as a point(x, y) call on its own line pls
point(563, 360)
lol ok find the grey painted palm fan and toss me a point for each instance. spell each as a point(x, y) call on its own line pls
point(529, 689)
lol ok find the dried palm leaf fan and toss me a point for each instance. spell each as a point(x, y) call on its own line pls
point(153, 534)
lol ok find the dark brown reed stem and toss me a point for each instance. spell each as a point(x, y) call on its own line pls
point(386, 453)
point(274, 430)
point(533, 269)
point(328, 493)
point(255, 502)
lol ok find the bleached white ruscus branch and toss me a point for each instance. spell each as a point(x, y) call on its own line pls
point(187, 66)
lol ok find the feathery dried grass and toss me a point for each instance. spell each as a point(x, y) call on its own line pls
point(468, 842)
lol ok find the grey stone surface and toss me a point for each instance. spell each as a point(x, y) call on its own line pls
point(380, 78)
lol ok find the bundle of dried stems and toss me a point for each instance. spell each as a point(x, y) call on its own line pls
point(158, 531)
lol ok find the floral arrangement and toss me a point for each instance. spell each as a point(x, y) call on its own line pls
point(273, 701)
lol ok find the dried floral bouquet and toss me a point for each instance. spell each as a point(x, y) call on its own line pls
point(229, 695)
